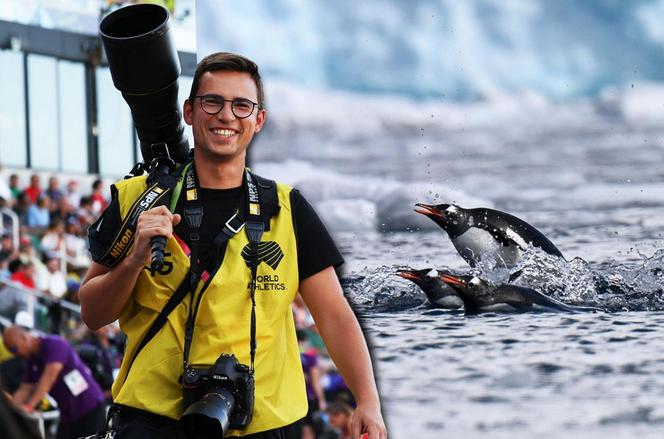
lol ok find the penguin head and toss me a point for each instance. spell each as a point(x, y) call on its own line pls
point(422, 278)
point(465, 284)
point(450, 217)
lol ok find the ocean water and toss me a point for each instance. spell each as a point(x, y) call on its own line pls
point(588, 174)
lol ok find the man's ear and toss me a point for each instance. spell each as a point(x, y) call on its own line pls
point(187, 112)
point(260, 119)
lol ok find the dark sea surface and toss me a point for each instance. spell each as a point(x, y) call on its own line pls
point(590, 177)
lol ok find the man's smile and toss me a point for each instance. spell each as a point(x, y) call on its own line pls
point(224, 132)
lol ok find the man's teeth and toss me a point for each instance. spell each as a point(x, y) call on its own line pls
point(224, 133)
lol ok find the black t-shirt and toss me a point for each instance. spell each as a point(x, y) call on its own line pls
point(315, 248)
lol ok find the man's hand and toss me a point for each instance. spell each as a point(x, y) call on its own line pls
point(367, 423)
point(98, 306)
point(158, 221)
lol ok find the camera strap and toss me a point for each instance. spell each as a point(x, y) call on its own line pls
point(156, 194)
point(254, 227)
point(258, 205)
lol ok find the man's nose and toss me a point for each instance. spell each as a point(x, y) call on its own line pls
point(226, 112)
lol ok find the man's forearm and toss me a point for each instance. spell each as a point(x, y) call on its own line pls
point(341, 333)
point(345, 342)
point(22, 393)
point(46, 381)
point(104, 294)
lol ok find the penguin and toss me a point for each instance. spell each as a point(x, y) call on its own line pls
point(487, 234)
point(439, 294)
point(479, 296)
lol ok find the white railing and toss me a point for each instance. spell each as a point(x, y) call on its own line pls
point(7, 212)
point(15, 298)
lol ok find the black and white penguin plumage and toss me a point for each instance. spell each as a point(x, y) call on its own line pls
point(479, 296)
point(487, 235)
point(439, 294)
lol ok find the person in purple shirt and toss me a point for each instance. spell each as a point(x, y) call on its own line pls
point(52, 366)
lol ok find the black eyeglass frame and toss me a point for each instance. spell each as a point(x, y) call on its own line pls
point(232, 101)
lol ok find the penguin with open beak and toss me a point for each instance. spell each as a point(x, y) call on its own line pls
point(485, 234)
point(439, 294)
point(479, 296)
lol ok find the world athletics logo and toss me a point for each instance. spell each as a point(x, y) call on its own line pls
point(268, 252)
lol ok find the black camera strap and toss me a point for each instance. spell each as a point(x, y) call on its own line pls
point(159, 188)
point(259, 203)
point(250, 208)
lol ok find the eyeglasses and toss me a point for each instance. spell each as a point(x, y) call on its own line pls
point(213, 104)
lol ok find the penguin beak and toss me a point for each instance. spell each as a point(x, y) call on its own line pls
point(408, 274)
point(428, 210)
point(452, 280)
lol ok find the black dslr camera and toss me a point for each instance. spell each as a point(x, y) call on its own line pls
point(217, 398)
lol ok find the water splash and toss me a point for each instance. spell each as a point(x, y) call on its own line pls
point(381, 290)
point(612, 287)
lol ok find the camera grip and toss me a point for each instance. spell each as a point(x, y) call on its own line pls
point(158, 247)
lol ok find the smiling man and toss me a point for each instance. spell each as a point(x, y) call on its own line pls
point(259, 244)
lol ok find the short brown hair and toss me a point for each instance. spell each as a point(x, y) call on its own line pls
point(228, 62)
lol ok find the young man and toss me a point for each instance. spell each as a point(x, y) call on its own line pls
point(225, 109)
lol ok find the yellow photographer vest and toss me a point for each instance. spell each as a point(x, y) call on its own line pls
point(222, 324)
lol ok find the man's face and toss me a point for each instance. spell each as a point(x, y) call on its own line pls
point(224, 137)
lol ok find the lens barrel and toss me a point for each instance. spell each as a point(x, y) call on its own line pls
point(209, 416)
point(145, 67)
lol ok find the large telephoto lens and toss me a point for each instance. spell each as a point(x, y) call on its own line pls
point(145, 67)
point(209, 416)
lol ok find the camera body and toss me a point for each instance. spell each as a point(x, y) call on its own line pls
point(227, 380)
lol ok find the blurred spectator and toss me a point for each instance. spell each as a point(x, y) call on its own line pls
point(14, 186)
point(73, 196)
point(341, 415)
point(54, 367)
point(7, 250)
point(100, 353)
point(53, 240)
point(39, 215)
point(21, 207)
point(98, 200)
point(63, 210)
point(34, 191)
point(28, 253)
point(53, 191)
point(53, 283)
point(336, 388)
point(22, 273)
point(77, 247)
point(85, 213)
point(312, 377)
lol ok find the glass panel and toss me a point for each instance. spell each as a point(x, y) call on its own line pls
point(13, 146)
point(115, 128)
point(73, 131)
point(44, 114)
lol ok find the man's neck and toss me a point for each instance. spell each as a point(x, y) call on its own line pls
point(219, 174)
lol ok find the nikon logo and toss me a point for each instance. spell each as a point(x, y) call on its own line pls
point(268, 252)
point(121, 244)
